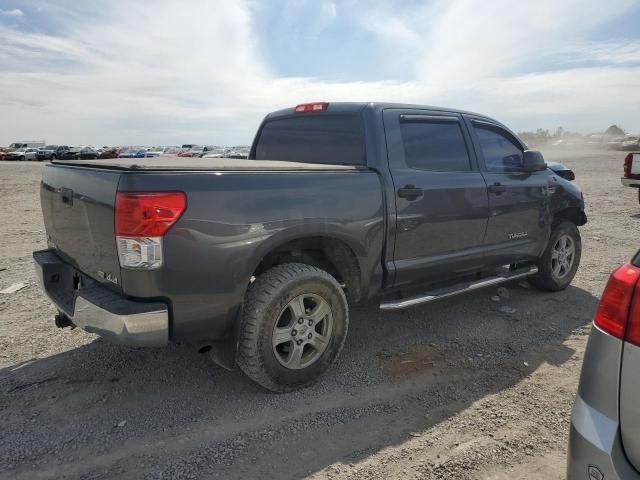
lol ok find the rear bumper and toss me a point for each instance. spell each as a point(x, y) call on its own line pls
point(595, 447)
point(97, 309)
point(630, 182)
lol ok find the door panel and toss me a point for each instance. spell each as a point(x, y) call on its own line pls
point(441, 215)
point(519, 225)
point(442, 231)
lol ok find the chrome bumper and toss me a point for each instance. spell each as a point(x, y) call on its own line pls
point(630, 182)
point(97, 309)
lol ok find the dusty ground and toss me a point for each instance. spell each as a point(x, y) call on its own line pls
point(455, 389)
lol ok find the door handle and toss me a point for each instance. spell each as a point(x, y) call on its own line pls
point(410, 192)
point(497, 188)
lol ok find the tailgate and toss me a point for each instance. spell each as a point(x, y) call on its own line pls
point(630, 402)
point(630, 380)
point(78, 209)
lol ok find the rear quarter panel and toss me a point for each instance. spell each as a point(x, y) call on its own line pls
point(233, 219)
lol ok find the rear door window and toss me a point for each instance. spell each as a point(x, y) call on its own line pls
point(435, 146)
point(324, 138)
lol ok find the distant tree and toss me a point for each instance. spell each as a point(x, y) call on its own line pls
point(614, 130)
point(559, 132)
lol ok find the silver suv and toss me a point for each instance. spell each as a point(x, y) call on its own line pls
point(604, 442)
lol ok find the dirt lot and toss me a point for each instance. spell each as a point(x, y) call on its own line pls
point(456, 389)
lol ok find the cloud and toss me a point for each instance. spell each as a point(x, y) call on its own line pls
point(171, 73)
point(330, 9)
point(16, 12)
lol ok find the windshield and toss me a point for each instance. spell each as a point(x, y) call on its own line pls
point(325, 138)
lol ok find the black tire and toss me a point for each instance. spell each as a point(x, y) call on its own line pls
point(265, 303)
point(21, 158)
point(546, 279)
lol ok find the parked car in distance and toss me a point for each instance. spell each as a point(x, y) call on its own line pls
point(185, 153)
point(604, 440)
point(112, 152)
point(27, 144)
point(236, 154)
point(216, 152)
point(78, 153)
point(3, 152)
point(631, 176)
point(338, 203)
point(170, 151)
point(133, 153)
point(50, 152)
point(154, 152)
point(630, 142)
point(21, 154)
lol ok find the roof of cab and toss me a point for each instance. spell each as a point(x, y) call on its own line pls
point(378, 106)
point(347, 107)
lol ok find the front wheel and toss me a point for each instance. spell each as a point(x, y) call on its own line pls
point(560, 260)
point(293, 326)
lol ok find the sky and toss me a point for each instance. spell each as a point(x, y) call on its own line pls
point(125, 72)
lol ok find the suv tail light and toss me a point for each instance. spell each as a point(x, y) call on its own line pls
point(615, 307)
point(141, 220)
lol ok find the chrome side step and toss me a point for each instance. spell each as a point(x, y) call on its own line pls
point(458, 289)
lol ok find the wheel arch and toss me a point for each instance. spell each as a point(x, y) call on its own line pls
point(573, 214)
point(329, 251)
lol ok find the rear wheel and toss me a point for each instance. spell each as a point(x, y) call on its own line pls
point(293, 326)
point(560, 260)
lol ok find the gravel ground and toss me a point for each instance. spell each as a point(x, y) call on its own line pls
point(456, 389)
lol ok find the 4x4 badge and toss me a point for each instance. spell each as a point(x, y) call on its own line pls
point(108, 277)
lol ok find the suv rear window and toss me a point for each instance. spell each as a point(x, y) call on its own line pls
point(323, 138)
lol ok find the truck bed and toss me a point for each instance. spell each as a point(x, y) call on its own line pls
point(202, 164)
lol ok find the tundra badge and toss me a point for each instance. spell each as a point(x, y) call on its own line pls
point(516, 235)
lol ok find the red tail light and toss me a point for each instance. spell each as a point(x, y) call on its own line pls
point(628, 161)
point(311, 107)
point(633, 325)
point(147, 214)
point(613, 312)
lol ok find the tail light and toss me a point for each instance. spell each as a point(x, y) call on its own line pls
point(311, 107)
point(628, 162)
point(632, 165)
point(633, 326)
point(141, 220)
point(616, 308)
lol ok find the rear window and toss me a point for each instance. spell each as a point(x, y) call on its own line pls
point(438, 147)
point(321, 138)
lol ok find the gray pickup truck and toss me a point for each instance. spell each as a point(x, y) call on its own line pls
point(337, 204)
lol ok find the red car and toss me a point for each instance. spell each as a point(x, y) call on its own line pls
point(110, 153)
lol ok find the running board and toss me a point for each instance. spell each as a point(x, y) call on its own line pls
point(458, 289)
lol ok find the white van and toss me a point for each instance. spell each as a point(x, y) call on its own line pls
point(27, 144)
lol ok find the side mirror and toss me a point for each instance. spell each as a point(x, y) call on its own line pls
point(533, 161)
